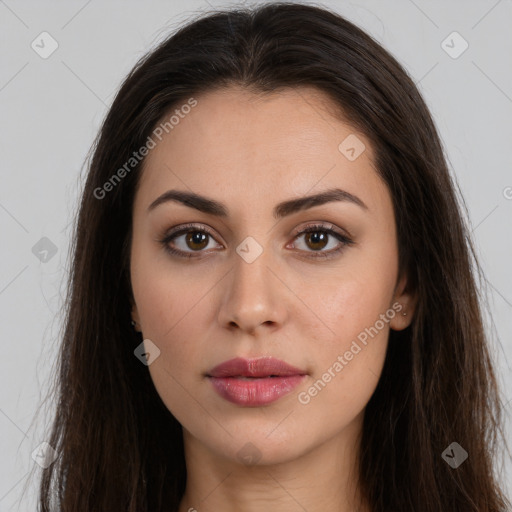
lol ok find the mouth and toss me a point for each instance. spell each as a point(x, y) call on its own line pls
point(262, 367)
point(243, 377)
point(256, 382)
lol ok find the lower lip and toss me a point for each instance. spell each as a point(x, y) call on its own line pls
point(255, 392)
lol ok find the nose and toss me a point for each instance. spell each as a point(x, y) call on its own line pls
point(254, 297)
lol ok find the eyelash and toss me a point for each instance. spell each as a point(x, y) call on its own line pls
point(309, 229)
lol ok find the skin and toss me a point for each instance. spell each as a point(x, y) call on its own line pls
point(251, 152)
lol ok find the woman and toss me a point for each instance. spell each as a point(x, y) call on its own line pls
point(272, 303)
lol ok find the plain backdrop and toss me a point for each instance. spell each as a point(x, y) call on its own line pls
point(51, 109)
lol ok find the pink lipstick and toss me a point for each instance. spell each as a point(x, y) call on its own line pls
point(255, 382)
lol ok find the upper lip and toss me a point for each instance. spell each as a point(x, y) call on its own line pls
point(259, 367)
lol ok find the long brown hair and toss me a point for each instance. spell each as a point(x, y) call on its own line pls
point(119, 446)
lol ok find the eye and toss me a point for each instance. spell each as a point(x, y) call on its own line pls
point(317, 237)
point(187, 240)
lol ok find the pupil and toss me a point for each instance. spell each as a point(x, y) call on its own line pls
point(197, 238)
point(317, 237)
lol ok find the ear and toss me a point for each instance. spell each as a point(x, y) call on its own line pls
point(135, 315)
point(404, 301)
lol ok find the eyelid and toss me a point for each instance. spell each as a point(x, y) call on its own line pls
point(321, 225)
point(343, 237)
point(183, 228)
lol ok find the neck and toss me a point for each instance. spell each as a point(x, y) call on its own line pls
point(323, 478)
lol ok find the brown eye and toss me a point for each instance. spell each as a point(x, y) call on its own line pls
point(188, 240)
point(196, 240)
point(317, 240)
point(318, 237)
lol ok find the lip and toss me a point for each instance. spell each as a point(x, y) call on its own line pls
point(255, 382)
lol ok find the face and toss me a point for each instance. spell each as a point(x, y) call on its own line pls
point(254, 281)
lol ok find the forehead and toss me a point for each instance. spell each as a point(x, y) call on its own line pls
point(242, 144)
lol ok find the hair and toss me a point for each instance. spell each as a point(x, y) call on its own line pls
point(119, 447)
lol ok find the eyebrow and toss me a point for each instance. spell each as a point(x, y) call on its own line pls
point(212, 207)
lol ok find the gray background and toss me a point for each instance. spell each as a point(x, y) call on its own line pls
point(52, 108)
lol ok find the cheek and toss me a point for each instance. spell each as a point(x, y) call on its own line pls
point(168, 294)
point(349, 364)
point(175, 323)
point(350, 303)
point(358, 332)
point(356, 309)
point(173, 308)
point(169, 302)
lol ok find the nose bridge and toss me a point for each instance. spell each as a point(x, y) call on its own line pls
point(253, 296)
